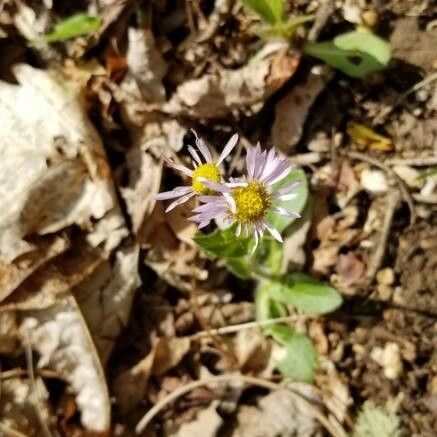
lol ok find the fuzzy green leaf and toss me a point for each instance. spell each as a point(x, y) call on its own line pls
point(223, 243)
point(356, 54)
point(300, 359)
point(305, 293)
point(74, 26)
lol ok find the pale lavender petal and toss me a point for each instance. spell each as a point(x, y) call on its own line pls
point(228, 148)
point(176, 192)
point(180, 201)
point(280, 173)
point(289, 187)
point(202, 147)
point(221, 188)
point(231, 202)
point(195, 155)
point(250, 162)
point(274, 232)
point(256, 239)
point(179, 167)
point(284, 197)
point(238, 230)
point(285, 212)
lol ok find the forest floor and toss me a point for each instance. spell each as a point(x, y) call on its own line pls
point(107, 305)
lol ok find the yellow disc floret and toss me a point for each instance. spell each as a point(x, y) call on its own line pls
point(208, 171)
point(252, 202)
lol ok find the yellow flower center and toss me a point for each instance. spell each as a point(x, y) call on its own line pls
point(252, 202)
point(207, 171)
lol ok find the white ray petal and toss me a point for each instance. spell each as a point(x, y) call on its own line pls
point(228, 148)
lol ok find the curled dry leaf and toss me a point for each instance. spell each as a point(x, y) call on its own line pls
point(12, 275)
point(215, 95)
point(9, 342)
point(292, 110)
point(64, 177)
point(60, 336)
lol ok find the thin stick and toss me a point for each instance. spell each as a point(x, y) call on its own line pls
point(35, 391)
point(250, 380)
point(248, 325)
point(426, 161)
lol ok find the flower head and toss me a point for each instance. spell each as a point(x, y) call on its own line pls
point(247, 202)
point(203, 170)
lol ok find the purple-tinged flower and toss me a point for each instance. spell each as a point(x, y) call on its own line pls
point(247, 202)
point(201, 172)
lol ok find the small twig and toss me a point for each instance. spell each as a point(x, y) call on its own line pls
point(427, 161)
point(376, 261)
point(251, 380)
point(402, 187)
point(35, 392)
point(380, 118)
point(306, 158)
point(248, 325)
point(44, 373)
point(322, 16)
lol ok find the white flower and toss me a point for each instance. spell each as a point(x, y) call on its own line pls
point(247, 202)
point(201, 172)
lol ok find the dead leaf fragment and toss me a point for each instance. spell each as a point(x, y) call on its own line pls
point(215, 95)
point(206, 424)
point(418, 48)
point(368, 138)
point(292, 110)
point(278, 413)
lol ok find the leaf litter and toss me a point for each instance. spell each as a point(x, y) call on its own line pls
point(111, 294)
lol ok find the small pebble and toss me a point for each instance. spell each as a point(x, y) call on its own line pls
point(385, 292)
point(385, 276)
point(374, 181)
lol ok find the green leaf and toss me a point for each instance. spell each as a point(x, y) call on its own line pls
point(271, 11)
point(223, 243)
point(377, 421)
point(240, 267)
point(76, 25)
point(295, 205)
point(356, 54)
point(300, 359)
point(305, 293)
point(365, 42)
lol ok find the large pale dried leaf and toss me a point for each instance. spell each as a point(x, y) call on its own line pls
point(292, 110)
point(61, 338)
point(278, 414)
point(105, 298)
point(11, 275)
point(145, 64)
point(215, 95)
point(64, 177)
point(19, 410)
